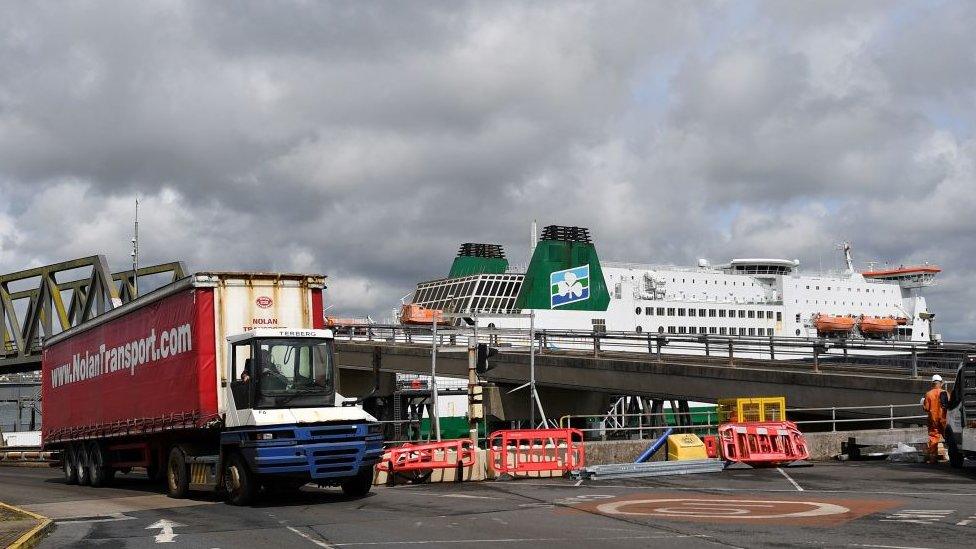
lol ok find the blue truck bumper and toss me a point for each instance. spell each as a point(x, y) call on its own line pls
point(319, 451)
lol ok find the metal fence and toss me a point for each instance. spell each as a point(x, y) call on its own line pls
point(623, 425)
point(889, 357)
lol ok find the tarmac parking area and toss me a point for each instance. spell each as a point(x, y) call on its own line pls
point(863, 504)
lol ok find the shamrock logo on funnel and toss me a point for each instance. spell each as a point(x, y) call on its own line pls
point(569, 286)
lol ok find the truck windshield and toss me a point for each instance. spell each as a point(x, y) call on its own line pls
point(294, 373)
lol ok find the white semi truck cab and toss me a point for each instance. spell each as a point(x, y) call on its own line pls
point(284, 418)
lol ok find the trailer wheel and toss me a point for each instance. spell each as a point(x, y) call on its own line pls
point(177, 479)
point(239, 483)
point(68, 465)
point(100, 473)
point(359, 485)
point(81, 464)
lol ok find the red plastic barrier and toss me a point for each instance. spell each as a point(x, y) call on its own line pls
point(447, 454)
point(533, 450)
point(711, 445)
point(763, 442)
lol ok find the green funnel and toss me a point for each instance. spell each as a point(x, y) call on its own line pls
point(475, 259)
point(564, 273)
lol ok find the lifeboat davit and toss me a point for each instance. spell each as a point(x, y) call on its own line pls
point(412, 313)
point(876, 326)
point(830, 324)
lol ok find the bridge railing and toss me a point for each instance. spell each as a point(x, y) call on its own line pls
point(816, 354)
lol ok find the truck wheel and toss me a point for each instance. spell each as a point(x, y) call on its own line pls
point(238, 481)
point(81, 465)
point(99, 472)
point(177, 479)
point(68, 465)
point(956, 459)
point(359, 485)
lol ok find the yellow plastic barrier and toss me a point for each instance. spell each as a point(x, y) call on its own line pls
point(686, 446)
point(752, 409)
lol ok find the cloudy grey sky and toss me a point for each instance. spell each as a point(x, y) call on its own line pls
point(367, 140)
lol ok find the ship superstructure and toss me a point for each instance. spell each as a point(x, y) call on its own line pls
point(568, 288)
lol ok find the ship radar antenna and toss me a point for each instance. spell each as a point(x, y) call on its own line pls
point(848, 256)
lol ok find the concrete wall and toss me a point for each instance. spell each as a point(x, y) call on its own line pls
point(823, 446)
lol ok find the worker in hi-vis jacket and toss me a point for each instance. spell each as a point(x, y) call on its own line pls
point(934, 404)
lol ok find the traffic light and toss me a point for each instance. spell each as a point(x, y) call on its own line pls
point(484, 353)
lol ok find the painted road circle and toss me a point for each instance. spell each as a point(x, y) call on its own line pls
point(721, 509)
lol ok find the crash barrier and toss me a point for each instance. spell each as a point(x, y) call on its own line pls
point(527, 451)
point(653, 469)
point(762, 443)
point(711, 445)
point(447, 454)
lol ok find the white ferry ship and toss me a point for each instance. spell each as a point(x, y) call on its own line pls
point(568, 288)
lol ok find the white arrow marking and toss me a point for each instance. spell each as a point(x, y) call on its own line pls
point(165, 527)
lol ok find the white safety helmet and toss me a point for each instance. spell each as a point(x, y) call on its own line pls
point(936, 377)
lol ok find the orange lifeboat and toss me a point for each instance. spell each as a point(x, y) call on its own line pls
point(338, 322)
point(412, 313)
point(876, 326)
point(830, 324)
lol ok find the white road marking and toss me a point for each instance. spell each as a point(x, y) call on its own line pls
point(793, 482)
point(463, 496)
point(519, 540)
point(771, 490)
point(165, 528)
point(318, 542)
point(919, 516)
point(703, 508)
point(967, 521)
point(886, 546)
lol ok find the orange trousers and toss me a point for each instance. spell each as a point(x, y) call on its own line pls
point(935, 436)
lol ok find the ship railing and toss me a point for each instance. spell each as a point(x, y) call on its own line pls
point(880, 357)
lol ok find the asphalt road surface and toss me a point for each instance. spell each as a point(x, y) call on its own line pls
point(867, 504)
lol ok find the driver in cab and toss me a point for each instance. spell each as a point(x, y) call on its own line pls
point(272, 378)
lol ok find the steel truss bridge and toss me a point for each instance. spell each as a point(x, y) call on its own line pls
point(43, 301)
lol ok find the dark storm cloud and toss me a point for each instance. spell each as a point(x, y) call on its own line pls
point(367, 140)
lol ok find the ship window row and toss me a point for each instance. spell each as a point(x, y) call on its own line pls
point(714, 282)
point(826, 302)
point(711, 313)
point(714, 330)
point(850, 289)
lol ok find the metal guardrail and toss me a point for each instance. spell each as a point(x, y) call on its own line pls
point(886, 357)
point(659, 421)
point(650, 424)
